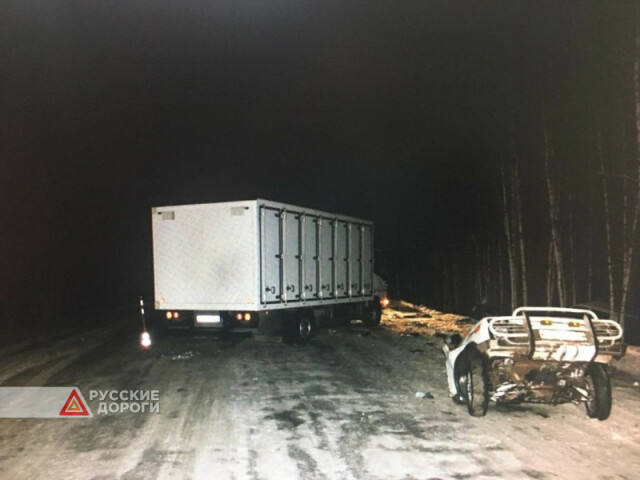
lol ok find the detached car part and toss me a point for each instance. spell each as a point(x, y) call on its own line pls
point(537, 355)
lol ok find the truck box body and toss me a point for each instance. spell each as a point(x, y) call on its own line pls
point(258, 255)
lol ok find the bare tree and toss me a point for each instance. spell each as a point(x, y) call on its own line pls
point(590, 238)
point(509, 245)
point(518, 215)
point(500, 261)
point(481, 283)
point(454, 276)
point(550, 274)
point(572, 253)
point(632, 227)
point(554, 218)
point(446, 286)
point(607, 218)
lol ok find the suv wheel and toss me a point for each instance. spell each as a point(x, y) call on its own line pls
point(475, 384)
point(598, 387)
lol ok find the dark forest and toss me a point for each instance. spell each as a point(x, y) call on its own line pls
point(495, 145)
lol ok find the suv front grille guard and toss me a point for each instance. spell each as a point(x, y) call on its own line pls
point(513, 330)
point(560, 334)
point(607, 331)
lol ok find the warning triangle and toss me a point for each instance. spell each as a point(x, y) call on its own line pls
point(74, 406)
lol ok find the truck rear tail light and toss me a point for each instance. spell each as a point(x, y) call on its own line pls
point(384, 302)
point(176, 315)
point(168, 315)
point(247, 317)
point(238, 316)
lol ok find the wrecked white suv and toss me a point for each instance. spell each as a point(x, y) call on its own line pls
point(537, 355)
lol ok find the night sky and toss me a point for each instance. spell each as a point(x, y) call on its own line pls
point(395, 111)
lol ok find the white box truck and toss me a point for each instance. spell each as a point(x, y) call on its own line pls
point(280, 268)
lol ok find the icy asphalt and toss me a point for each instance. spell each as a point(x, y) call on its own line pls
point(343, 407)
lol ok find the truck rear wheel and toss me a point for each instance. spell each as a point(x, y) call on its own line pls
point(597, 384)
point(372, 315)
point(300, 329)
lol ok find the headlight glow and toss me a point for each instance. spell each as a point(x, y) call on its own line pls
point(145, 340)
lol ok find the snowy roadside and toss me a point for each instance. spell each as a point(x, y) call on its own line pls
point(31, 362)
point(629, 365)
point(343, 406)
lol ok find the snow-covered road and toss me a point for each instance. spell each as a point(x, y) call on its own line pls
point(343, 407)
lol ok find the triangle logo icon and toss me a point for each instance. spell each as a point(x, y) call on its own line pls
point(75, 406)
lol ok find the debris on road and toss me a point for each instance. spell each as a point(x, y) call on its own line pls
point(182, 356)
point(424, 395)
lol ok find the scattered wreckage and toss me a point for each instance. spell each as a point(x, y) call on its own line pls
point(536, 355)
